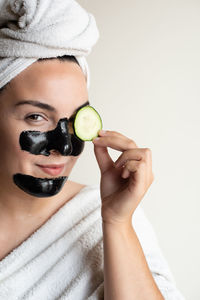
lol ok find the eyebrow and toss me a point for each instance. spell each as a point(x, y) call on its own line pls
point(44, 105)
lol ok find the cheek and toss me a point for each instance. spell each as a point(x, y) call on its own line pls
point(9, 145)
point(11, 155)
point(20, 154)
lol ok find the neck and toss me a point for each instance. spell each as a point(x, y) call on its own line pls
point(20, 208)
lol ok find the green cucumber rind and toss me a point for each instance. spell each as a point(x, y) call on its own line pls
point(75, 119)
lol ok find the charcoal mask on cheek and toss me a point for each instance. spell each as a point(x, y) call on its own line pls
point(40, 143)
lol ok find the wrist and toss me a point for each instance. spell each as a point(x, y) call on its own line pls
point(124, 226)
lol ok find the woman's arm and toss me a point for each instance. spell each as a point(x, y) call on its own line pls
point(123, 186)
point(126, 272)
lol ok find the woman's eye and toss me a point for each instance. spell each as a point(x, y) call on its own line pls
point(32, 117)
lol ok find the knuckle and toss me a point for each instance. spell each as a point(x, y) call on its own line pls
point(131, 144)
point(147, 151)
point(141, 163)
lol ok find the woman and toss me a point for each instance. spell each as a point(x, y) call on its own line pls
point(61, 239)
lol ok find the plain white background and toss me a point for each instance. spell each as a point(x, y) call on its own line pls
point(145, 83)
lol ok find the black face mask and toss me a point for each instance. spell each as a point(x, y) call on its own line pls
point(40, 143)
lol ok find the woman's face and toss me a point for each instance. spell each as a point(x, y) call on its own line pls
point(61, 86)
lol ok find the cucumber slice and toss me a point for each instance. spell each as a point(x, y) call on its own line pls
point(87, 123)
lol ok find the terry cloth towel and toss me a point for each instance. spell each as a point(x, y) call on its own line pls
point(63, 259)
point(33, 29)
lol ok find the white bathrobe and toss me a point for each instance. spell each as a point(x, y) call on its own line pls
point(63, 259)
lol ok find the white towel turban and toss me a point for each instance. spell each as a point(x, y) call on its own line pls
point(33, 29)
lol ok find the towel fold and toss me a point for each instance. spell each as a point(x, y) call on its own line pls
point(33, 29)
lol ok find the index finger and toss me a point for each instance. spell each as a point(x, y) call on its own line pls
point(115, 140)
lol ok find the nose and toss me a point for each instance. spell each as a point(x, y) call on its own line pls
point(60, 139)
point(56, 152)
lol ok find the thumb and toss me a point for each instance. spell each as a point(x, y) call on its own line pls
point(103, 158)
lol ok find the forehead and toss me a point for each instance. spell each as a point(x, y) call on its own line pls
point(53, 83)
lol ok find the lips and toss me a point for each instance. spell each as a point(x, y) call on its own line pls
point(54, 169)
point(52, 166)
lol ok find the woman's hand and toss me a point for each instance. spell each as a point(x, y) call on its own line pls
point(124, 182)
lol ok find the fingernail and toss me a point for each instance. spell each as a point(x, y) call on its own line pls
point(102, 132)
point(96, 139)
